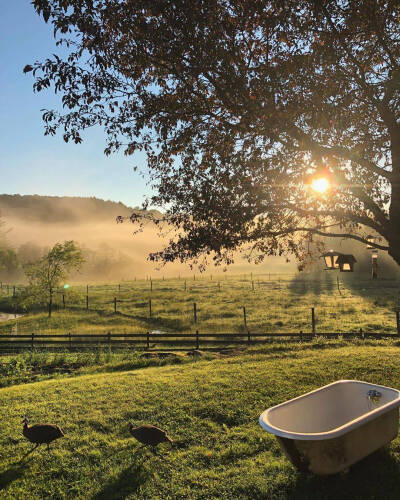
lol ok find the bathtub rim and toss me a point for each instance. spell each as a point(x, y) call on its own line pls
point(338, 431)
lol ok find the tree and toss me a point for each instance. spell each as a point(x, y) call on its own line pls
point(29, 252)
point(46, 274)
point(3, 232)
point(239, 105)
point(9, 264)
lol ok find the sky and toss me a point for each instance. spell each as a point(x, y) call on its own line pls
point(31, 163)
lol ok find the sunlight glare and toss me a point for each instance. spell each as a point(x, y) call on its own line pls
point(320, 185)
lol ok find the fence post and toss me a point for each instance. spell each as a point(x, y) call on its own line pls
point(119, 287)
point(219, 286)
point(197, 340)
point(252, 285)
point(195, 312)
point(338, 285)
point(8, 289)
point(151, 285)
point(115, 304)
point(313, 320)
point(362, 333)
point(63, 301)
point(150, 308)
point(244, 317)
point(32, 339)
point(398, 321)
point(248, 336)
point(14, 291)
point(87, 302)
point(148, 340)
point(185, 285)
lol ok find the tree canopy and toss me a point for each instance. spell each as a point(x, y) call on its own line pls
point(239, 105)
point(47, 273)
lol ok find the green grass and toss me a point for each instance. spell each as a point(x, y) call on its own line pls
point(277, 304)
point(31, 366)
point(210, 408)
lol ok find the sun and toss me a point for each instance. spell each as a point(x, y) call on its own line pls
point(321, 184)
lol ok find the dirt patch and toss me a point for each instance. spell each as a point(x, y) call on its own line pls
point(7, 316)
point(231, 352)
point(160, 355)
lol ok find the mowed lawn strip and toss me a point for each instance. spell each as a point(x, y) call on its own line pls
point(210, 409)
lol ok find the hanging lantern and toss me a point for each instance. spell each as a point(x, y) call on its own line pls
point(331, 260)
point(374, 264)
point(371, 240)
point(346, 263)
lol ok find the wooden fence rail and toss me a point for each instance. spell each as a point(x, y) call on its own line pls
point(149, 340)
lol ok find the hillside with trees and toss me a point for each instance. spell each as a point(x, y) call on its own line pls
point(32, 224)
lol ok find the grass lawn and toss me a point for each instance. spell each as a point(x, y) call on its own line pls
point(210, 408)
point(276, 304)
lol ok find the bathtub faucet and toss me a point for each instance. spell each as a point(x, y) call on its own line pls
point(374, 395)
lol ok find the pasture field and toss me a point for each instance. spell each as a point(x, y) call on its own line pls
point(274, 303)
point(210, 407)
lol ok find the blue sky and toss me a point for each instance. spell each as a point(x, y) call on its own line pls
point(31, 163)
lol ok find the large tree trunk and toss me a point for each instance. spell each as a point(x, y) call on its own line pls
point(394, 246)
point(394, 211)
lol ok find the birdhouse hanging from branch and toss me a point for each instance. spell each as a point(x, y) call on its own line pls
point(346, 263)
point(331, 260)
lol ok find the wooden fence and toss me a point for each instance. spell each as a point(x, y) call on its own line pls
point(150, 340)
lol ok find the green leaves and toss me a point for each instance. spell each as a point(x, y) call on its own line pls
point(46, 274)
point(250, 88)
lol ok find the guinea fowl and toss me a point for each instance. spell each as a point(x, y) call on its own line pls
point(41, 433)
point(149, 435)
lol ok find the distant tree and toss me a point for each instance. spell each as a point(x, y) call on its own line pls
point(46, 274)
point(3, 232)
point(9, 264)
point(29, 252)
point(239, 105)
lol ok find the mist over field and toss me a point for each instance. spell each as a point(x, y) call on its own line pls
point(112, 251)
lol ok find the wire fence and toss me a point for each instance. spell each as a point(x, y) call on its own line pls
point(260, 304)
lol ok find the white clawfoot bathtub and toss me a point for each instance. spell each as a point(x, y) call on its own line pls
point(327, 430)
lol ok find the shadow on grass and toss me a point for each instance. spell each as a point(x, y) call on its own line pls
point(15, 470)
point(377, 476)
point(315, 284)
point(10, 475)
point(127, 483)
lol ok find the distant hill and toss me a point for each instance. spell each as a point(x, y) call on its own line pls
point(53, 209)
point(35, 223)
